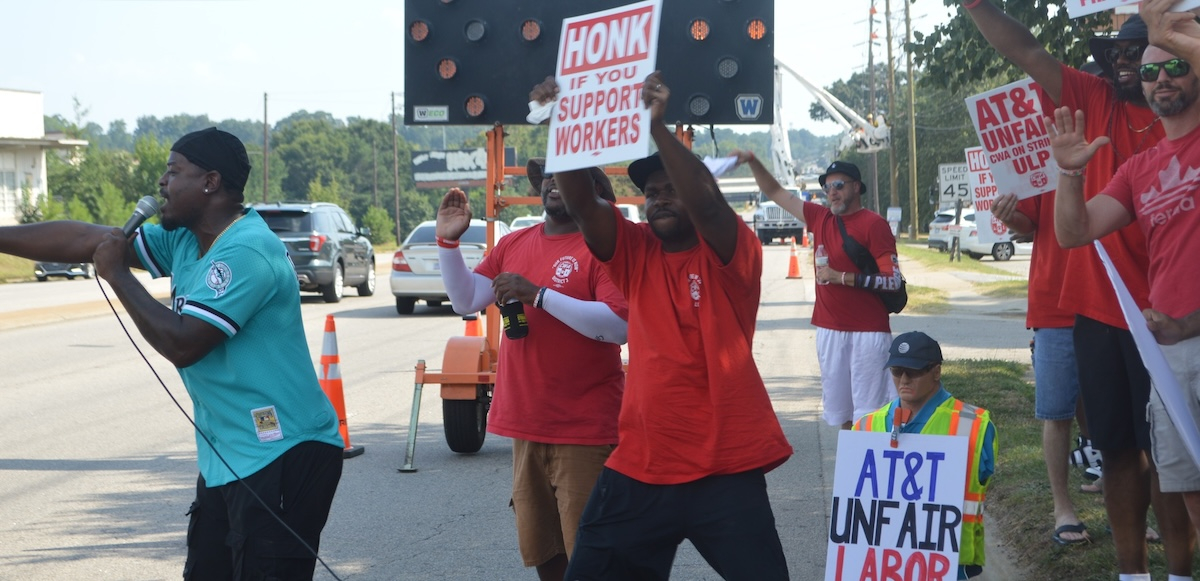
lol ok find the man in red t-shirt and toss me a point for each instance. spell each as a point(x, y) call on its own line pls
point(558, 390)
point(1112, 380)
point(853, 329)
point(697, 430)
point(1156, 192)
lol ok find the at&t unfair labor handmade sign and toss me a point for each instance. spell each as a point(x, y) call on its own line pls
point(1013, 135)
point(603, 57)
point(896, 512)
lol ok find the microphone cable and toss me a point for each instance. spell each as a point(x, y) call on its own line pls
point(236, 476)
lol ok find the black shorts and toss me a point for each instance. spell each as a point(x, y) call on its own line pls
point(232, 536)
point(1114, 384)
point(630, 530)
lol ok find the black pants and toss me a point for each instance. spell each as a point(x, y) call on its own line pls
point(630, 530)
point(233, 536)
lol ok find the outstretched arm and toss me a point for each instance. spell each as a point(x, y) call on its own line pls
point(60, 241)
point(770, 187)
point(714, 220)
point(1014, 40)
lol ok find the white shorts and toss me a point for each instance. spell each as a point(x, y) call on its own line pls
point(854, 381)
point(1177, 472)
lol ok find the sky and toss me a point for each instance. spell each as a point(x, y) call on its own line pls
point(123, 59)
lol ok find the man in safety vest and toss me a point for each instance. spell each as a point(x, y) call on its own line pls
point(925, 407)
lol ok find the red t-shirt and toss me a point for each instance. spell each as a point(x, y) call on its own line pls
point(848, 308)
point(1086, 290)
point(1159, 188)
point(1047, 267)
point(695, 404)
point(556, 386)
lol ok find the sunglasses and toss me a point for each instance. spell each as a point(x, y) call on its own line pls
point(1174, 67)
point(1132, 52)
point(835, 185)
point(899, 372)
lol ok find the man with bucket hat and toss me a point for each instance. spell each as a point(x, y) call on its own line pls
point(852, 321)
point(923, 406)
point(1113, 383)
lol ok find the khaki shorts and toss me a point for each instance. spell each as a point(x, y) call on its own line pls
point(551, 485)
point(1177, 472)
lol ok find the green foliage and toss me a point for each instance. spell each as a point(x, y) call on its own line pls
point(380, 223)
point(416, 207)
point(111, 207)
point(149, 162)
point(319, 190)
point(254, 184)
point(28, 209)
point(957, 55)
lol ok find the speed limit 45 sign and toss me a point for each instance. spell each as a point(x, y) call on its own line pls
point(953, 184)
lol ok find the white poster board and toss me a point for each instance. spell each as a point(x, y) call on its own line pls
point(1012, 131)
point(896, 512)
point(603, 57)
point(1077, 8)
point(984, 192)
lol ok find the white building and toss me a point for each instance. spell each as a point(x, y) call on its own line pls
point(23, 145)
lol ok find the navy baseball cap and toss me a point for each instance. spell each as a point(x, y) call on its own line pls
point(914, 350)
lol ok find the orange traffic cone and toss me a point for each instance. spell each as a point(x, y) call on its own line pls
point(804, 238)
point(473, 328)
point(331, 384)
point(794, 262)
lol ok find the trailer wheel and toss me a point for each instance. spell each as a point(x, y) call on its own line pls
point(466, 422)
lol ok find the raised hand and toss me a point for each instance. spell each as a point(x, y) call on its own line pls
point(454, 215)
point(655, 95)
point(1069, 141)
point(1176, 32)
point(545, 91)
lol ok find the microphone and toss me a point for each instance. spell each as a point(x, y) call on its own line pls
point(146, 207)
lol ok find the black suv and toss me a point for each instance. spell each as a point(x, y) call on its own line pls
point(328, 251)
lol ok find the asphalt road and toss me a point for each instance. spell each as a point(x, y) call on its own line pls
point(98, 465)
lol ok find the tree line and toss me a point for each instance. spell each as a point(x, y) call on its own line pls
point(313, 156)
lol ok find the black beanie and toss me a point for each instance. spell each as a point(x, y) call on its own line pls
point(215, 150)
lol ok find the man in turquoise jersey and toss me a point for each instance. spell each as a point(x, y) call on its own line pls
point(234, 331)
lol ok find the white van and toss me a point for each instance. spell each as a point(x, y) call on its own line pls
point(631, 212)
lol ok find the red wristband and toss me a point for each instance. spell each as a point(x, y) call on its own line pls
point(972, 4)
point(446, 243)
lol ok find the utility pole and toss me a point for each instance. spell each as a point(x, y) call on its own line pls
point(891, 96)
point(266, 151)
point(913, 208)
point(396, 167)
point(871, 107)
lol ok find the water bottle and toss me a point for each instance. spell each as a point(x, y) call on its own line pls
point(821, 258)
point(512, 314)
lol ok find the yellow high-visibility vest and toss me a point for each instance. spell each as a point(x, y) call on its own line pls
point(954, 418)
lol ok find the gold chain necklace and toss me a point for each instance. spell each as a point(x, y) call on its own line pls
point(1142, 130)
point(227, 227)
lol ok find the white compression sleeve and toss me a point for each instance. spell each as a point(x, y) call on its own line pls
point(592, 319)
point(469, 292)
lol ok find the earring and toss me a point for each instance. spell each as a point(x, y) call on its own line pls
point(206, 190)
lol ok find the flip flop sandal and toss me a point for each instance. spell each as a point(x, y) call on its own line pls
point(1075, 528)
